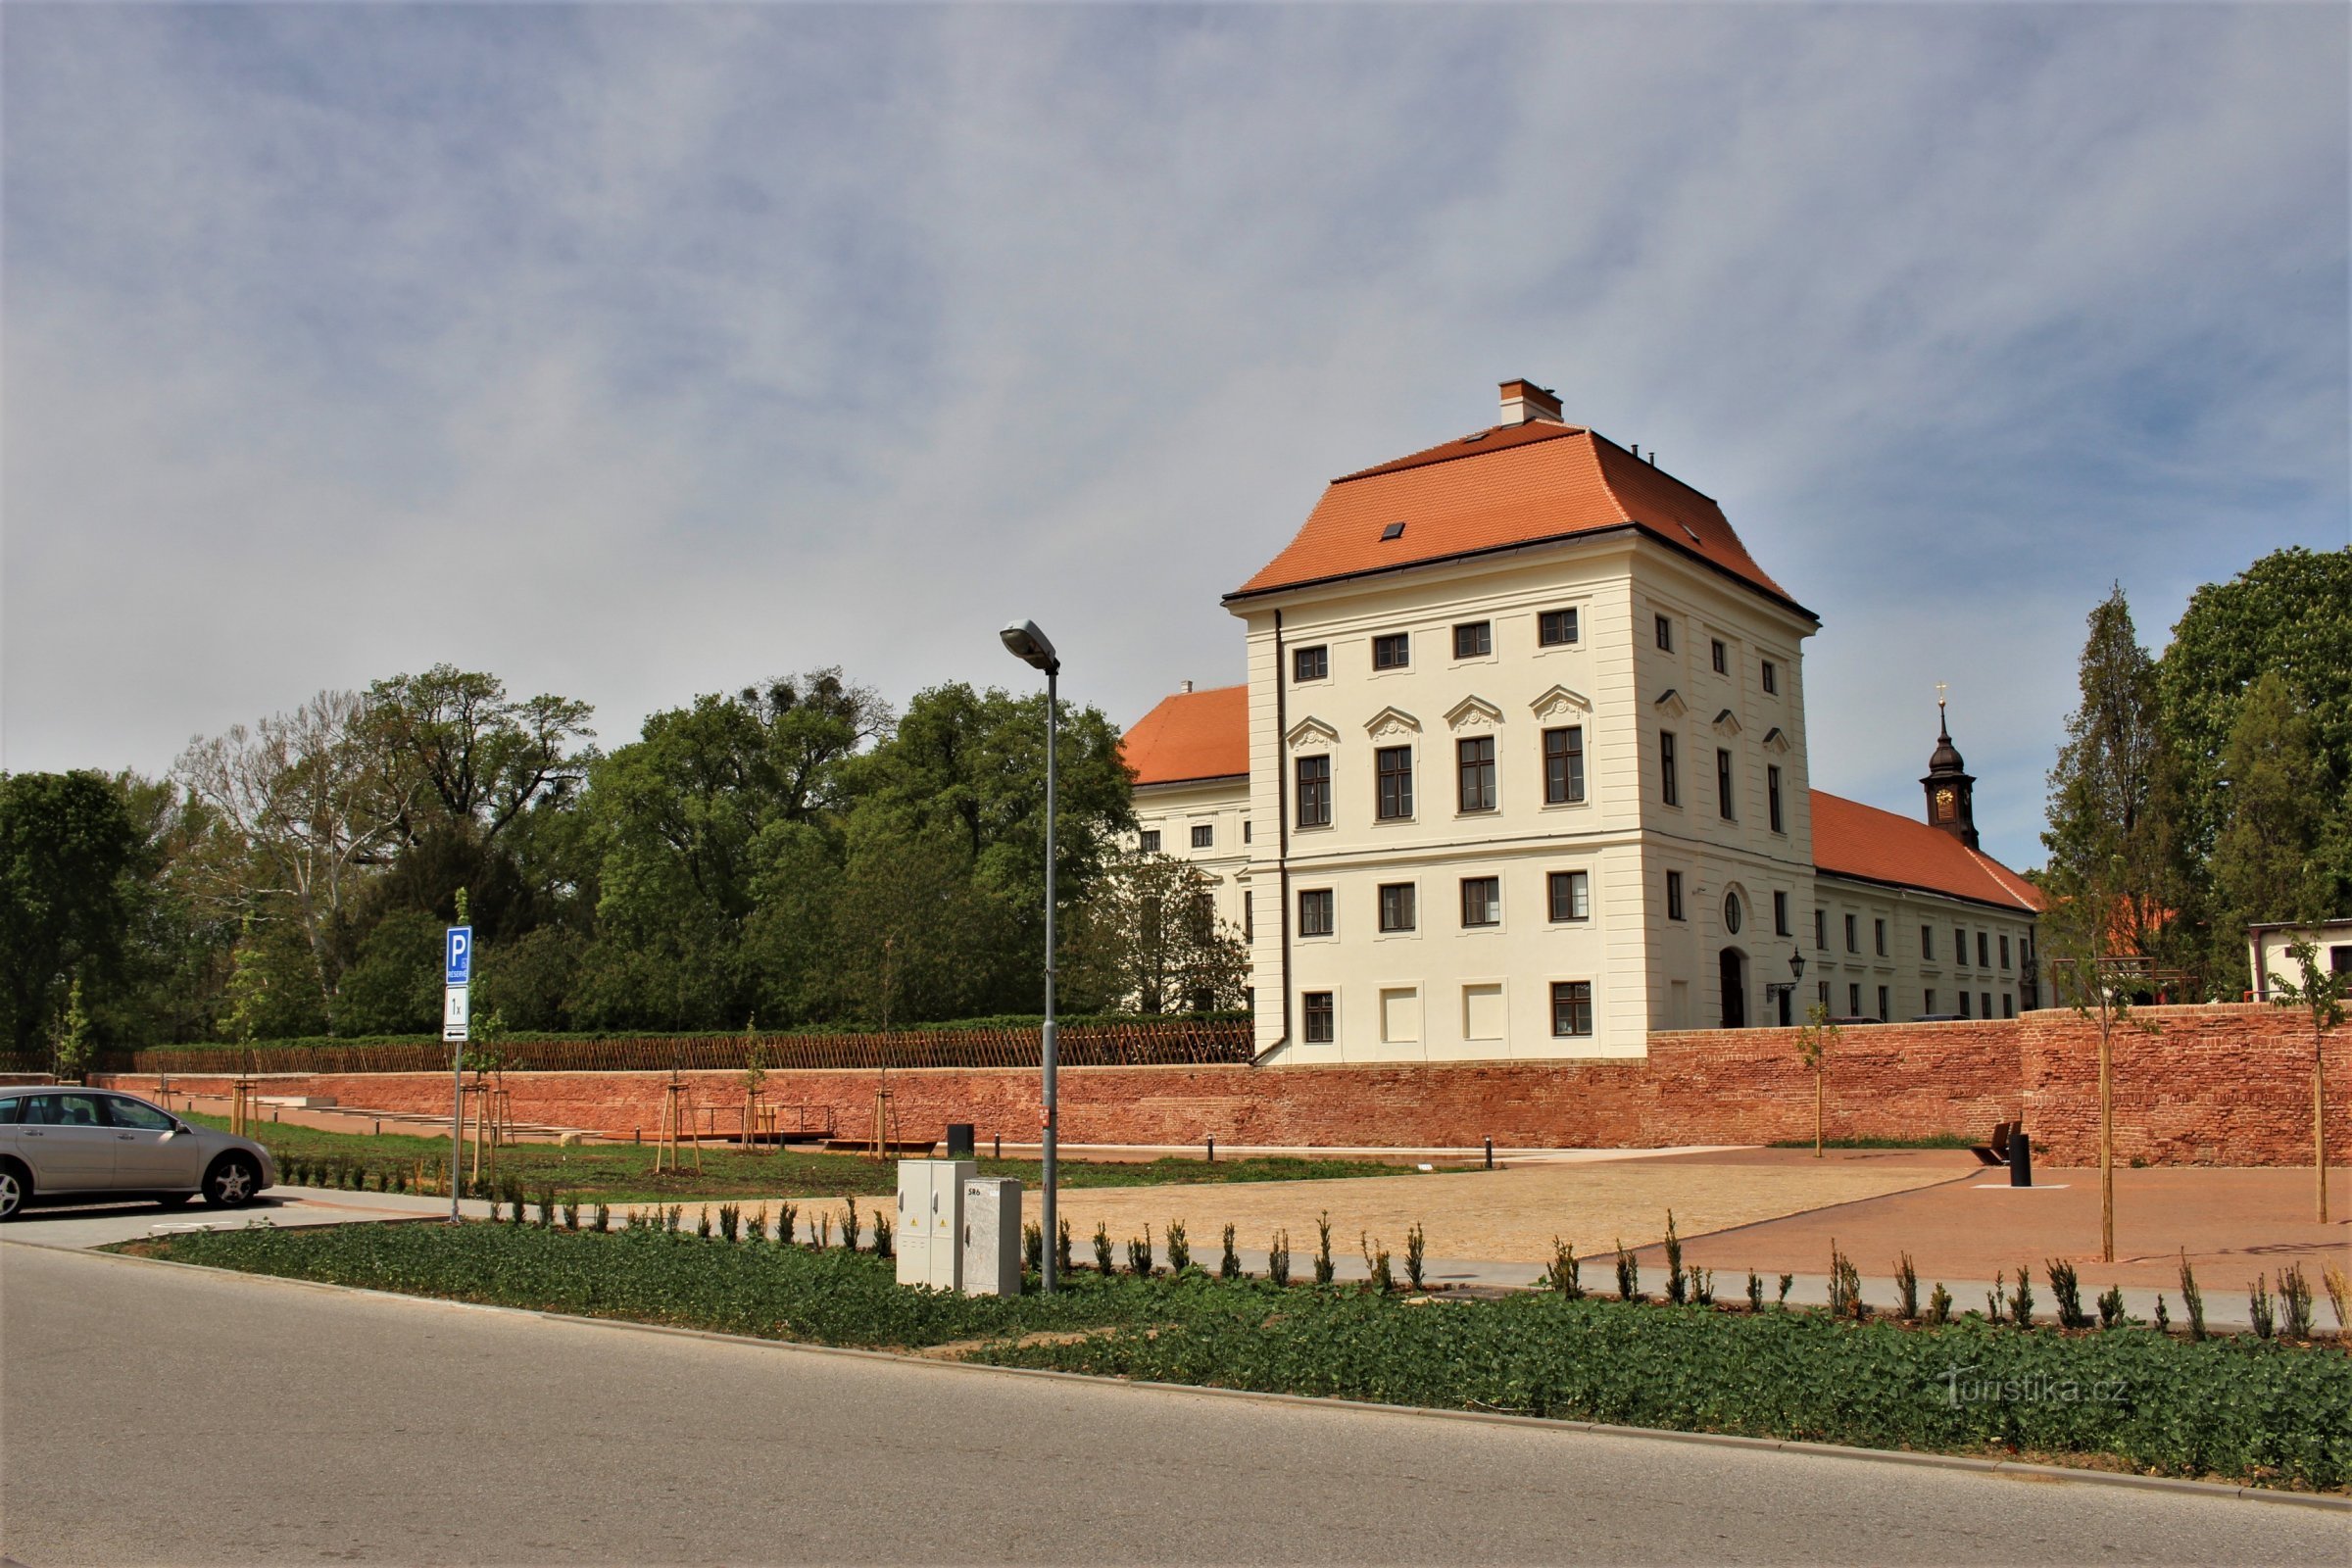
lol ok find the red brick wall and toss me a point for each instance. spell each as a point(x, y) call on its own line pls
point(2222, 1085)
point(2225, 1085)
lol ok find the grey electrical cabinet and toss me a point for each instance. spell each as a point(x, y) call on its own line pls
point(930, 1228)
point(992, 1236)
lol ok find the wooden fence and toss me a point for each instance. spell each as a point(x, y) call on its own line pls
point(1155, 1044)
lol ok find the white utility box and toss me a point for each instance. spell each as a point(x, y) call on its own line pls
point(992, 1236)
point(930, 1232)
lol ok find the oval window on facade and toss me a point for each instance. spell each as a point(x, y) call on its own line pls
point(1731, 912)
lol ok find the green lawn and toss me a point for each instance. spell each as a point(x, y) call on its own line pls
point(2241, 1409)
point(622, 1173)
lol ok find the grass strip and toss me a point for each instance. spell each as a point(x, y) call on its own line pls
point(622, 1173)
point(2239, 1410)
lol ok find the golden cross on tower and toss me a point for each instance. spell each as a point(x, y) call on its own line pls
point(1939, 689)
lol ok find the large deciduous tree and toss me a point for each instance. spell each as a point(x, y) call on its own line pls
point(65, 845)
point(305, 797)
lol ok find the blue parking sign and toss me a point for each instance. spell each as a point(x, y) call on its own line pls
point(459, 957)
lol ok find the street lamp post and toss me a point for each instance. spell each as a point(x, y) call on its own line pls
point(1026, 643)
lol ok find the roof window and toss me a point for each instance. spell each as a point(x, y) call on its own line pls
point(1395, 530)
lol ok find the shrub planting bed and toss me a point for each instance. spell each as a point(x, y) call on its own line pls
point(2241, 1409)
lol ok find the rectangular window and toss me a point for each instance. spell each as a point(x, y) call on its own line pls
point(1929, 1005)
point(1205, 836)
point(1853, 940)
point(2008, 1005)
point(1725, 803)
point(1665, 635)
point(1674, 895)
point(1314, 912)
point(1772, 676)
point(1959, 947)
point(1984, 954)
point(1474, 760)
point(1315, 791)
point(1984, 1003)
point(1397, 906)
point(1248, 917)
point(1926, 947)
point(1854, 1002)
point(1482, 901)
point(1824, 989)
point(1244, 830)
point(1564, 766)
point(1151, 841)
point(1571, 1008)
point(2004, 950)
point(1821, 929)
point(1963, 1003)
point(1884, 1001)
point(1318, 1017)
point(1311, 664)
point(1878, 937)
point(1772, 798)
point(1393, 766)
point(1474, 639)
point(1555, 629)
point(1719, 655)
point(1393, 652)
point(1780, 914)
point(1670, 784)
point(1571, 896)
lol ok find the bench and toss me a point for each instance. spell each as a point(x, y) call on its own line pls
point(1996, 1151)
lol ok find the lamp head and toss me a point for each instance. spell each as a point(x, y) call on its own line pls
point(1031, 647)
point(1796, 963)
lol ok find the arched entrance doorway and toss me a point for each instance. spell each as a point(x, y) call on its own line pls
point(1735, 989)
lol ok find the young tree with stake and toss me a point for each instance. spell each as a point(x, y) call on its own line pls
point(1814, 1038)
point(2320, 992)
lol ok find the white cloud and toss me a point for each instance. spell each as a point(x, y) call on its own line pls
point(637, 352)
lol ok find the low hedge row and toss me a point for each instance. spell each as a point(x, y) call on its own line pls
point(2249, 1410)
point(2245, 1410)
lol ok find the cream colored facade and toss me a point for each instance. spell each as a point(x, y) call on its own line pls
point(1448, 989)
point(1943, 958)
point(1180, 814)
point(1693, 897)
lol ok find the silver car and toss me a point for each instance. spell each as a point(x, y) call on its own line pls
point(94, 1143)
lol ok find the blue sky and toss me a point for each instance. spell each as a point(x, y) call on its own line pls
point(633, 352)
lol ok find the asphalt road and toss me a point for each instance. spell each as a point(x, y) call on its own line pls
point(152, 1414)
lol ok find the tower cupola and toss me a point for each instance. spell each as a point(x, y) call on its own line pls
point(1951, 790)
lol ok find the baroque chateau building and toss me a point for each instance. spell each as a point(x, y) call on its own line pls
point(1520, 771)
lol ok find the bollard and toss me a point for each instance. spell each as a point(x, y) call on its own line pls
point(2021, 1160)
point(1490, 1153)
point(997, 1141)
point(1212, 1150)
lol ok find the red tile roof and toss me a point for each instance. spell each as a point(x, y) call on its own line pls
point(1190, 735)
point(1851, 839)
point(1510, 485)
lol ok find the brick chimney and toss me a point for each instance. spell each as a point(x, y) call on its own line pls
point(1524, 402)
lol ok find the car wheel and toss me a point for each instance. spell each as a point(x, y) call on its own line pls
point(232, 1182)
point(14, 1188)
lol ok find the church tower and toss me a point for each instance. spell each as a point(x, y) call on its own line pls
point(1951, 790)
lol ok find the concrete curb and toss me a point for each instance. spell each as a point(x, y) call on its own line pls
point(2012, 1468)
